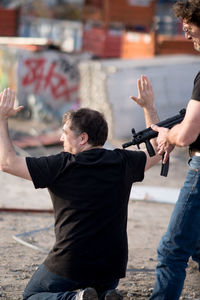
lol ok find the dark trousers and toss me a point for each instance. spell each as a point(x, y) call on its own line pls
point(181, 240)
point(45, 285)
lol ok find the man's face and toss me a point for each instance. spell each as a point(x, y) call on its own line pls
point(71, 142)
point(192, 32)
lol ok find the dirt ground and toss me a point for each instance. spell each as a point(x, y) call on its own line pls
point(21, 232)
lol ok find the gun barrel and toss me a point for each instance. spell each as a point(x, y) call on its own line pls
point(128, 144)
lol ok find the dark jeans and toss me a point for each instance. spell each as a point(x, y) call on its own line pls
point(45, 285)
point(182, 239)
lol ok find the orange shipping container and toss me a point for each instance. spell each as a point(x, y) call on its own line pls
point(138, 45)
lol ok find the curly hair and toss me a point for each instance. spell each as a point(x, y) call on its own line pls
point(188, 10)
point(90, 121)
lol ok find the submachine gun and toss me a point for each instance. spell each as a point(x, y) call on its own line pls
point(147, 134)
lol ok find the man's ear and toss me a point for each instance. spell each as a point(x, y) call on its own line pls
point(84, 138)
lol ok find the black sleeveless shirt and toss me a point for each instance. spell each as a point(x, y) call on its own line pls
point(196, 96)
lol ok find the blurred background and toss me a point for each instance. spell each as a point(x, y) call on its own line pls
point(65, 54)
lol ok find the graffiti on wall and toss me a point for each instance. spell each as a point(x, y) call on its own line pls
point(54, 77)
point(46, 82)
point(47, 85)
point(51, 76)
point(52, 80)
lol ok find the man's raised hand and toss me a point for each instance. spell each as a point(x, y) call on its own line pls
point(7, 101)
point(145, 97)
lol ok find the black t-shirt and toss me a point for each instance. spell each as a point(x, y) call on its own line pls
point(196, 96)
point(90, 193)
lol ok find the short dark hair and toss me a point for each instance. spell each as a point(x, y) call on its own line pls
point(90, 121)
point(188, 10)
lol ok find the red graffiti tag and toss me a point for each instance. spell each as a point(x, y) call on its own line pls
point(51, 79)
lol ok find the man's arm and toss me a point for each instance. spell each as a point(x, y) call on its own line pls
point(188, 130)
point(182, 134)
point(9, 161)
point(145, 99)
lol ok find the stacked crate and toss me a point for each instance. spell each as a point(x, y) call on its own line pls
point(106, 23)
point(101, 41)
point(176, 44)
point(140, 42)
point(8, 21)
point(125, 12)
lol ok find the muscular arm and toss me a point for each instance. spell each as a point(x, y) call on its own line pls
point(182, 134)
point(188, 130)
point(9, 161)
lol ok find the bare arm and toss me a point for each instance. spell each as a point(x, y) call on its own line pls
point(145, 99)
point(182, 134)
point(188, 130)
point(9, 161)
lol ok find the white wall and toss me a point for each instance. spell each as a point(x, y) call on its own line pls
point(172, 79)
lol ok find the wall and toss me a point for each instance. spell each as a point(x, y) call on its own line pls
point(46, 82)
point(50, 83)
point(107, 85)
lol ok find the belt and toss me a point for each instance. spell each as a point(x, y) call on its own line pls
point(194, 152)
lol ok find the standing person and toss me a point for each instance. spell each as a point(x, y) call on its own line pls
point(182, 238)
point(89, 187)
